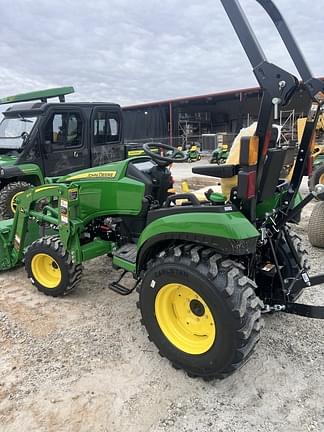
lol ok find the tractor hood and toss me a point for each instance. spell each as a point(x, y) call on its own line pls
point(112, 171)
point(104, 172)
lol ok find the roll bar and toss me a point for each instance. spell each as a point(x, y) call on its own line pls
point(278, 87)
point(253, 48)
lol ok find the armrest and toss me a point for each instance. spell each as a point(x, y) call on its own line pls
point(222, 171)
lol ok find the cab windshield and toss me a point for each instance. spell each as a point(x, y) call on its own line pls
point(12, 131)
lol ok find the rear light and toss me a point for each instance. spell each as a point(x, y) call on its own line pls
point(249, 151)
point(246, 184)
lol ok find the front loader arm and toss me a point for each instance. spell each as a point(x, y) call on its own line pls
point(17, 233)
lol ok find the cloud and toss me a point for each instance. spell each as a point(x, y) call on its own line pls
point(133, 51)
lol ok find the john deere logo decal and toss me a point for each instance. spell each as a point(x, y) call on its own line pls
point(103, 174)
point(96, 174)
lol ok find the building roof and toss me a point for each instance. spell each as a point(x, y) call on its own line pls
point(228, 93)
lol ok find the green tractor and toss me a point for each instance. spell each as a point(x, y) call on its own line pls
point(205, 270)
point(41, 141)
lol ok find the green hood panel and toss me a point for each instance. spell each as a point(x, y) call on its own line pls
point(22, 172)
point(7, 160)
point(113, 171)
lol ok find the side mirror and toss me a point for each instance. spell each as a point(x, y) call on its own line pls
point(24, 137)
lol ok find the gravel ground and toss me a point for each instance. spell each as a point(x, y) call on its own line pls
point(84, 363)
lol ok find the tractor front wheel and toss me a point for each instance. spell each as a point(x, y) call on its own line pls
point(50, 267)
point(8, 195)
point(200, 311)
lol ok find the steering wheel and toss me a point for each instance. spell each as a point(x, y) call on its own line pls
point(163, 160)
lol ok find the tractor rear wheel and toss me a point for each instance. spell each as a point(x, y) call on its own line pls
point(286, 259)
point(200, 311)
point(8, 196)
point(316, 226)
point(50, 267)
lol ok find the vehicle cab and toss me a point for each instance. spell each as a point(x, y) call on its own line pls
point(41, 140)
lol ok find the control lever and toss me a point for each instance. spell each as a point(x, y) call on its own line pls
point(276, 102)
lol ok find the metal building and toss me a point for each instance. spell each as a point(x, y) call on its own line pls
point(198, 119)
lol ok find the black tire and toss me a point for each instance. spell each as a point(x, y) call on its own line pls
point(270, 289)
point(316, 226)
point(316, 178)
point(290, 268)
point(7, 194)
point(70, 274)
point(229, 296)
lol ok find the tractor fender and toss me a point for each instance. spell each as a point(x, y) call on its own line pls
point(26, 172)
point(228, 233)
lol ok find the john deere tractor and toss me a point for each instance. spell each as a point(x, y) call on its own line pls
point(205, 270)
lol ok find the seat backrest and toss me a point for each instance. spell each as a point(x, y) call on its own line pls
point(234, 158)
point(271, 172)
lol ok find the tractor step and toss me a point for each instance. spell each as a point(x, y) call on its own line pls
point(125, 258)
point(122, 289)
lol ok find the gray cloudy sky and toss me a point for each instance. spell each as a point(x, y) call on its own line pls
point(131, 51)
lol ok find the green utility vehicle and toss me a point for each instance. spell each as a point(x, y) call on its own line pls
point(205, 270)
point(40, 141)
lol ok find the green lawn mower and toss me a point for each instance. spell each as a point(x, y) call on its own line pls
point(220, 155)
point(205, 270)
point(193, 154)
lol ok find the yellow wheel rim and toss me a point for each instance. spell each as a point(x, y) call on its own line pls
point(185, 319)
point(46, 270)
point(13, 203)
point(321, 179)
